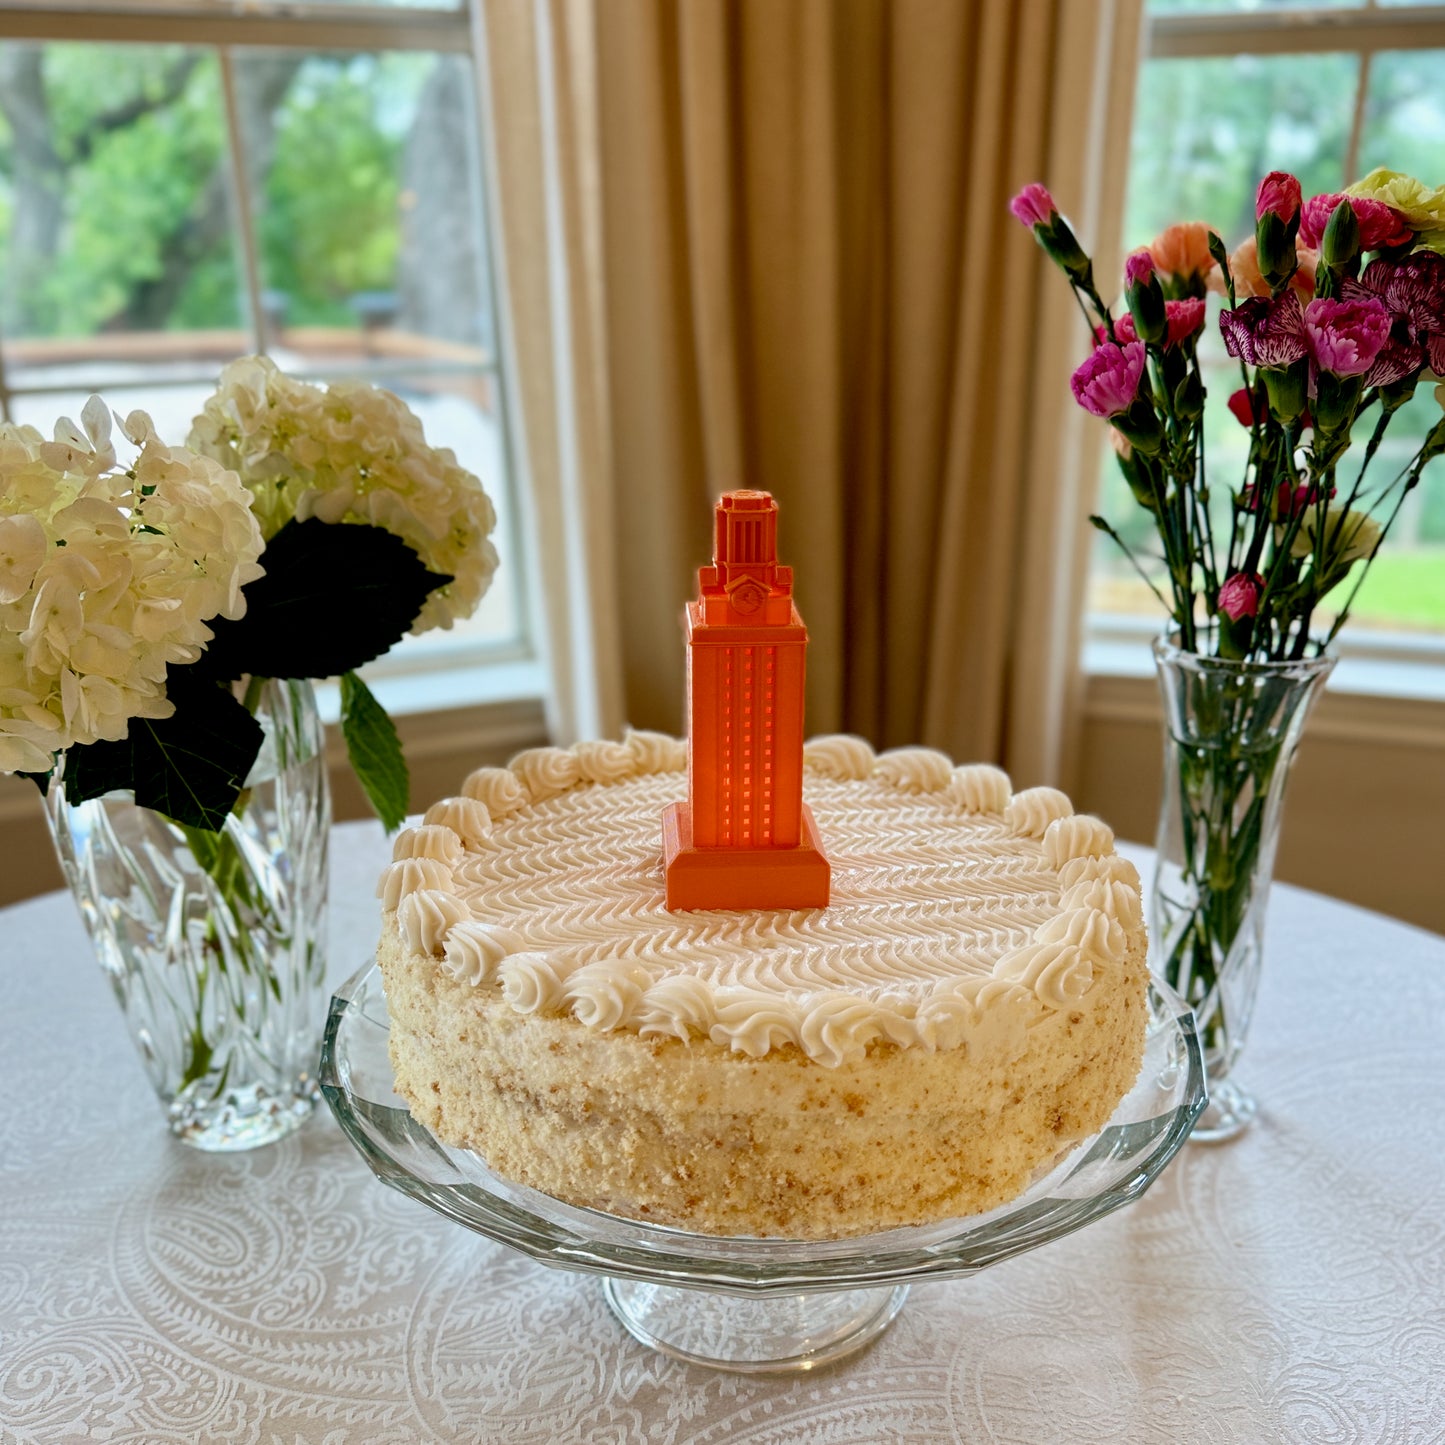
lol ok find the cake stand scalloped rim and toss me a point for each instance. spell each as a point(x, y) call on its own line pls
point(1122, 1160)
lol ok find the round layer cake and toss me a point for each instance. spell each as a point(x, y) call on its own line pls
point(970, 1003)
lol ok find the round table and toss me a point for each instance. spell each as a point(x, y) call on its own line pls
point(1288, 1286)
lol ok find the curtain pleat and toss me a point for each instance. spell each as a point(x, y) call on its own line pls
point(811, 285)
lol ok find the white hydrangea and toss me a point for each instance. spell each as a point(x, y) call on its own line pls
point(107, 574)
point(352, 453)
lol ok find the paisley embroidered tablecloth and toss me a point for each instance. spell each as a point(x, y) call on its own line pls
point(1287, 1287)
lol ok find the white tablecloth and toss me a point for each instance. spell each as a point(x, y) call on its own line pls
point(1287, 1287)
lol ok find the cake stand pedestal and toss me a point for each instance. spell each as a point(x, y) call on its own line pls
point(757, 1304)
point(770, 1334)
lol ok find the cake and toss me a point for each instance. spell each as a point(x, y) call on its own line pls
point(969, 1005)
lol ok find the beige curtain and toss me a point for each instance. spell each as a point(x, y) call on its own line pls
point(806, 280)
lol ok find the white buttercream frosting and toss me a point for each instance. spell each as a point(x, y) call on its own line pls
point(604, 762)
point(959, 910)
point(408, 876)
point(429, 840)
point(473, 951)
point(545, 772)
point(499, 789)
point(655, 752)
point(980, 788)
point(426, 916)
point(1030, 812)
point(465, 817)
point(915, 770)
point(839, 756)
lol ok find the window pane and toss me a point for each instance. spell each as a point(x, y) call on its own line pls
point(1405, 114)
point(1243, 7)
point(364, 189)
point(1405, 129)
point(1206, 130)
point(116, 229)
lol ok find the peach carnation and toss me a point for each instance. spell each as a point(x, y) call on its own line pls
point(1183, 250)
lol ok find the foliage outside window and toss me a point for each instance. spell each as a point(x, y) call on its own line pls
point(166, 208)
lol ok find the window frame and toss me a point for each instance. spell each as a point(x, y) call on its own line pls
point(1373, 662)
point(446, 671)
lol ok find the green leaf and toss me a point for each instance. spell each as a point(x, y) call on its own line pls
point(41, 780)
point(335, 595)
point(190, 766)
point(375, 751)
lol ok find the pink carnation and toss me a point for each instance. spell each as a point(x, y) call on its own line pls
point(1107, 381)
point(1239, 596)
point(1184, 319)
point(1380, 225)
point(1278, 192)
point(1345, 337)
point(1033, 205)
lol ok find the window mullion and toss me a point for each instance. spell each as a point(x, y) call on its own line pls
point(1357, 119)
point(241, 199)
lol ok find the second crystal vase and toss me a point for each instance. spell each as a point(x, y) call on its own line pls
point(1230, 734)
point(214, 942)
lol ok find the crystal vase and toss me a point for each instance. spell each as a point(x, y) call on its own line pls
point(1231, 730)
point(215, 942)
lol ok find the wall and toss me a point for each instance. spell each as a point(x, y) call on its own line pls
point(1365, 813)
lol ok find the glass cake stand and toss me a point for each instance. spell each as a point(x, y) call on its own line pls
point(756, 1304)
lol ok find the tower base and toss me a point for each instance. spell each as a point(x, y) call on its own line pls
point(742, 877)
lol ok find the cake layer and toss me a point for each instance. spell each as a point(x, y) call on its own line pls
point(971, 1002)
point(700, 1137)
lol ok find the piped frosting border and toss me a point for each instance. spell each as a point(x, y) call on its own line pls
point(1099, 908)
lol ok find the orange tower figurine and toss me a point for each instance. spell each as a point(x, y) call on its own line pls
point(744, 838)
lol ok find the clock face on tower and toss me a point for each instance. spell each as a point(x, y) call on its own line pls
point(744, 838)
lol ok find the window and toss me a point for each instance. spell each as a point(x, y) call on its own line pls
point(1228, 91)
point(179, 189)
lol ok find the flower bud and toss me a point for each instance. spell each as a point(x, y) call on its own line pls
point(1288, 389)
point(1336, 398)
point(1063, 247)
point(1278, 194)
point(1275, 248)
point(1341, 242)
point(1141, 428)
point(1034, 206)
point(1145, 297)
point(1239, 595)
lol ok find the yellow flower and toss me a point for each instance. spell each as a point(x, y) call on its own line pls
point(1348, 536)
point(1423, 207)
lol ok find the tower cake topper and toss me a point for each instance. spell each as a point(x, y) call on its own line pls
point(744, 838)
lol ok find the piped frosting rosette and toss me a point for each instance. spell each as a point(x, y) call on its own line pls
point(960, 907)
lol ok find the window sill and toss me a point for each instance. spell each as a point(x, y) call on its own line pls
point(459, 683)
point(1371, 665)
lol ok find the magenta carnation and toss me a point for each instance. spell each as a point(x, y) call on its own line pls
point(1279, 193)
point(1138, 267)
point(1414, 292)
point(1380, 225)
point(1345, 337)
point(1239, 596)
point(1107, 381)
point(1033, 205)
